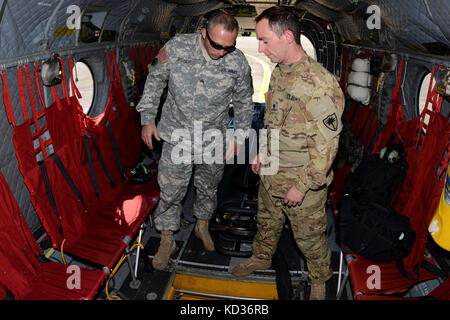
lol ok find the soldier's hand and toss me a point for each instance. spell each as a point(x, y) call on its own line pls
point(256, 164)
point(148, 132)
point(294, 197)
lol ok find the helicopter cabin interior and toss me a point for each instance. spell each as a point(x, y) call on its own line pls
point(78, 186)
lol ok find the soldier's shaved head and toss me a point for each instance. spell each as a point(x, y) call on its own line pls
point(220, 17)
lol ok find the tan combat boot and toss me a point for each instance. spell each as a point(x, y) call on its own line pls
point(317, 291)
point(167, 247)
point(201, 231)
point(248, 266)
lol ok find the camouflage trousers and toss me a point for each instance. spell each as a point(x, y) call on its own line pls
point(174, 180)
point(308, 226)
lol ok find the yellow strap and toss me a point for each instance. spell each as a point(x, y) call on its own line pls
point(122, 259)
point(62, 251)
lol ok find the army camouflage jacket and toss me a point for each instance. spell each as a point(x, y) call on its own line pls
point(199, 88)
point(305, 103)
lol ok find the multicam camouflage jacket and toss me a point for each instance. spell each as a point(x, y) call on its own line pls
point(199, 88)
point(305, 103)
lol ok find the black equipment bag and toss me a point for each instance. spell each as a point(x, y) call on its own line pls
point(369, 226)
point(378, 178)
point(375, 232)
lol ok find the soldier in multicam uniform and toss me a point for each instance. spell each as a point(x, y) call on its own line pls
point(205, 72)
point(305, 104)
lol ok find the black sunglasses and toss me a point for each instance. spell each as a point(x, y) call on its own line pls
point(218, 46)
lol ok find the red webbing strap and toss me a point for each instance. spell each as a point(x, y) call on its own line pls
point(395, 117)
point(150, 54)
point(30, 94)
point(145, 52)
point(445, 161)
point(399, 117)
point(34, 103)
point(56, 98)
point(74, 87)
point(144, 59)
point(7, 100)
point(37, 84)
point(368, 130)
point(139, 57)
point(111, 74)
point(344, 68)
point(147, 57)
point(362, 123)
point(116, 67)
point(142, 56)
point(63, 82)
point(64, 88)
point(421, 125)
point(81, 115)
point(38, 131)
point(23, 100)
point(111, 91)
point(436, 103)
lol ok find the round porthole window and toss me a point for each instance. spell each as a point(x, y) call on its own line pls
point(422, 98)
point(308, 46)
point(84, 81)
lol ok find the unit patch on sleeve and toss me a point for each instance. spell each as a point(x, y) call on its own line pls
point(163, 57)
point(331, 122)
point(325, 113)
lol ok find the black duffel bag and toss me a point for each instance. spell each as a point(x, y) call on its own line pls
point(375, 232)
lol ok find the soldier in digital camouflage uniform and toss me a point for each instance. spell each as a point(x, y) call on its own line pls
point(205, 72)
point(305, 103)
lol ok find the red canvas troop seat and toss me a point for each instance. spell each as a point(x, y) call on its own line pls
point(427, 159)
point(418, 200)
point(442, 292)
point(114, 225)
point(50, 147)
point(363, 275)
point(23, 274)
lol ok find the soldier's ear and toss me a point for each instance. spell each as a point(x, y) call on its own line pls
point(289, 36)
point(203, 31)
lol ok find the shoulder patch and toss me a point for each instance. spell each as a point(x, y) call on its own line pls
point(331, 122)
point(327, 116)
point(163, 57)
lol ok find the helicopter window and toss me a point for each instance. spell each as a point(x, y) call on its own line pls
point(308, 46)
point(177, 25)
point(422, 95)
point(92, 26)
point(84, 81)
